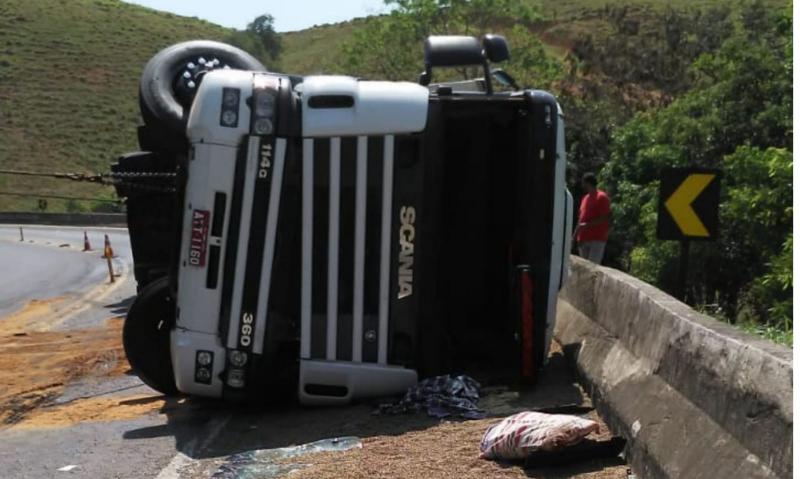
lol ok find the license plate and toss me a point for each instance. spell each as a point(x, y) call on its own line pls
point(197, 247)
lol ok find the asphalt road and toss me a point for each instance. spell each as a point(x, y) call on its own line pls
point(50, 263)
point(113, 426)
point(160, 436)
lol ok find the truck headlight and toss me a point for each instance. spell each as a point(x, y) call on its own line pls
point(265, 104)
point(265, 91)
point(229, 114)
point(229, 118)
point(203, 366)
point(203, 375)
point(262, 126)
point(230, 98)
point(204, 358)
point(237, 358)
point(236, 378)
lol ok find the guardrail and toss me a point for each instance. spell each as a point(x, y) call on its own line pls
point(695, 397)
point(65, 219)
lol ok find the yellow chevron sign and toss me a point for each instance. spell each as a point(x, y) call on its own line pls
point(679, 204)
point(689, 204)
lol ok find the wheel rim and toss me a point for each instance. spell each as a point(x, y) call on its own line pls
point(190, 75)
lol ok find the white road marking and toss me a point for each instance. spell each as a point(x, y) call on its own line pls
point(93, 296)
point(182, 460)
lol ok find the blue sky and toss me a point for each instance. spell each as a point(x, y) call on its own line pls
point(289, 14)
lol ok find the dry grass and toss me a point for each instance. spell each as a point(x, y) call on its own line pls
point(449, 449)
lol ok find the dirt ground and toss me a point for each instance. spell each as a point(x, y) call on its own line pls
point(447, 450)
point(92, 409)
point(36, 365)
point(411, 445)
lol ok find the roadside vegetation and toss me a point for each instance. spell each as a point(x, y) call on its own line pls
point(644, 84)
point(735, 115)
point(654, 87)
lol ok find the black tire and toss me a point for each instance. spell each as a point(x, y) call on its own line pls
point(157, 99)
point(145, 336)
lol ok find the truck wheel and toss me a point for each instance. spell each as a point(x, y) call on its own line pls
point(171, 78)
point(145, 336)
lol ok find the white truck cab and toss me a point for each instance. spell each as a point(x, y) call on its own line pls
point(340, 238)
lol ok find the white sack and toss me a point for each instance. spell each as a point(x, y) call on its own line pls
point(517, 436)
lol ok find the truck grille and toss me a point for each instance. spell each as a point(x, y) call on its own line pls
point(347, 192)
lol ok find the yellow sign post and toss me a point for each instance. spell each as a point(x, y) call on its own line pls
point(688, 210)
point(680, 202)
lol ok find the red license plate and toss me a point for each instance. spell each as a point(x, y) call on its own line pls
point(197, 247)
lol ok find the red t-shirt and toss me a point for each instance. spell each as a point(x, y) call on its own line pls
point(593, 205)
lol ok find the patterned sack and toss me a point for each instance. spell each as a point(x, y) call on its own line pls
point(517, 436)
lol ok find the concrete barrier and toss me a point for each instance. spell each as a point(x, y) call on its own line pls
point(64, 219)
point(695, 397)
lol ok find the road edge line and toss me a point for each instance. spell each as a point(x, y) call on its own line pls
point(181, 460)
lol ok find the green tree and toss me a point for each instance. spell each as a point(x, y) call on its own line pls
point(260, 40)
point(652, 49)
point(770, 296)
point(390, 46)
point(641, 63)
point(737, 118)
point(262, 27)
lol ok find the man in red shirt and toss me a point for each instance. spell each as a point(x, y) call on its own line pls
point(593, 220)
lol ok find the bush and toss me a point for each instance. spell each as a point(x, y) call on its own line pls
point(390, 46)
point(737, 119)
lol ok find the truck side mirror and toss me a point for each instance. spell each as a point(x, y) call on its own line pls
point(454, 51)
point(495, 47)
point(504, 78)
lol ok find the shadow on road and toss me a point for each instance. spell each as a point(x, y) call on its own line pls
point(205, 428)
point(572, 470)
point(120, 308)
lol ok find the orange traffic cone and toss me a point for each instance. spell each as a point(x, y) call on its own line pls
point(107, 251)
point(86, 245)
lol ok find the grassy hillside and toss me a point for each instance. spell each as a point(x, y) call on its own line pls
point(315, 49)
point(69, 74)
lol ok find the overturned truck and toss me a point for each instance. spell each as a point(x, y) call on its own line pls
point(330, 238)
